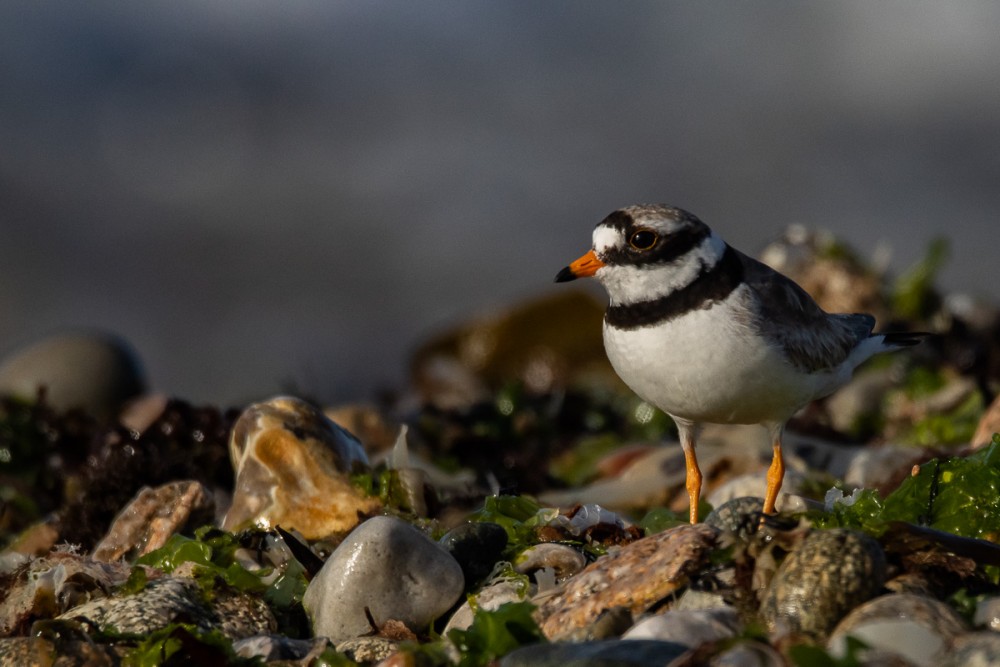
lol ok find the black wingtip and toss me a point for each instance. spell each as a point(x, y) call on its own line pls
point(565, 275)
point(904, 338)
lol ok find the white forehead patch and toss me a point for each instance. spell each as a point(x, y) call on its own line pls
point(605, 237)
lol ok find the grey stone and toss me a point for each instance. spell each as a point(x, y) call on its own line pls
point(690, 628)
point(97, 372)
point(389, 568)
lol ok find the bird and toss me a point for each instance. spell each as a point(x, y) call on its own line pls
point(710, 335)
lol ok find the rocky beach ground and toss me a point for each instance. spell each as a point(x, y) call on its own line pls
point(515, 505)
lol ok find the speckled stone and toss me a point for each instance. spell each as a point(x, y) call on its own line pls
point(172, 599)
point(389, 568)
point(368, 650)
point(292, 470)
point(610, 653)
point(150, 518)
point(94, 371)
point(738, 515)
point(45, 652)
point(975, 649)
point(830, 573)
point(918, 628)
point(634, 578)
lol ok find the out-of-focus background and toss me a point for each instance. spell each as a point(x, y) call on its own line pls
point(261, 195)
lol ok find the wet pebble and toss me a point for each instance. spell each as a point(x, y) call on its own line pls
point(633, 578)
point(292, 470)
point(94, 371)
point(988, 613)
point(610, 653)
point(748, 654)
point(918, 628)
point(753, 483)
point(563, 560)
point(477, 546)
point(830, 573)
point(738, 515)
point(975, 649)
point(389, 568)
point(149, 520)
point(690, 628)
point(367, 650)
point(177, 599)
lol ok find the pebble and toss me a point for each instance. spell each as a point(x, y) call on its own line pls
point(988, 614)
point(280, 647)
point(975, 649)
point(634, 578)
point(489, 598)
point(367, 650)
point(689, 628)
point(749, 484)
point(830, 573)
point(389, 568)
point(477, 546)
point(292, 470)
point(175, 599)
point(149, 520)
point(94, 371)
point(918, 628)
point(562, 559)
point(609, 653)
point(748, 654)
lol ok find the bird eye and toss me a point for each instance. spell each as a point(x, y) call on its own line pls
point(643, 239)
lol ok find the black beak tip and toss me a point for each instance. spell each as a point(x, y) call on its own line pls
point(565, 275)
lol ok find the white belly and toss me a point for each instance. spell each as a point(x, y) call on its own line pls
point(706, 366)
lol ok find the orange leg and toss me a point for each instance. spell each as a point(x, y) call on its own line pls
point(775, 474)
point(693, 481)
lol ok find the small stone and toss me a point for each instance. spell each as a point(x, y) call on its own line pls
point(975, 649)
point(988, 613)
point(562, 559)
point(634, 577)
point(388, 569)
point(279, 647)
point(748, 654)
point(830, 573)
point(175, 599)
point(95, 372)
point(477, 546)
point(149, 520)
point(690, 628)
point(738, 515)
point(292, 470)
point(609, 653)
point(368, 650)
point(917, 628)
point(748, 484)
point(488, 599)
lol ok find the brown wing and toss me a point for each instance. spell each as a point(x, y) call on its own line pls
point(813, 339)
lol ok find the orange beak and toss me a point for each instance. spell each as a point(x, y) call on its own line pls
point(581, 268)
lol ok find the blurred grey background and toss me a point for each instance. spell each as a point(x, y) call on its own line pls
point(269, 194)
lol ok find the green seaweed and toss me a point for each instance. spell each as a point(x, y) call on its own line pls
point(958, 495)
point(494, 634)
point(185, 644)
point(913, 296)
point(212, 551)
